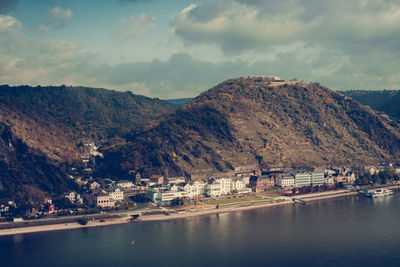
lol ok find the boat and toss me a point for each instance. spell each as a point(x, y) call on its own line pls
point(379, 193)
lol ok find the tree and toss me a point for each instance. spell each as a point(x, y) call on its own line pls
point(179, 201)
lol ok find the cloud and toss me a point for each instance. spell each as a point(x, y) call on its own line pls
point(334, 63)
point(233, 26)
point(58, 12)
point(129, 28)
point(237, 26)
point(7, 5)
point(57, 18)
point(9, 24)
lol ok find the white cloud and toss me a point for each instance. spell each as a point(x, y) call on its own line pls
point(129, 28)
point(234, 26)
point(58, 12)
point(242, 25)
point(9, 23)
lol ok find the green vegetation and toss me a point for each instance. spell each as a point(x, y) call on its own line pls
point(248, 122)
point(387, 101)
point(42, 129)
point(386, 176)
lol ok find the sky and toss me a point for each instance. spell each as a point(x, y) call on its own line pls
point(176, 49)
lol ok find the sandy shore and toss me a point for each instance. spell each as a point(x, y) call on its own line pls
point(179, 215)
point(63, 226)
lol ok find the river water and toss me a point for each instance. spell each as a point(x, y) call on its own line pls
point(353, 231)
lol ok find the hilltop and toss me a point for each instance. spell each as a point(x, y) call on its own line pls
point(253, 122)
point(43, 128)
point(56, 119)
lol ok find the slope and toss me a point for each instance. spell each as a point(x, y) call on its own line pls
point(242, 123)
point(387, 101)
point(56, 119)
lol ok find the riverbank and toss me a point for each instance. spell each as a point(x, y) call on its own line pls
point(188, 213)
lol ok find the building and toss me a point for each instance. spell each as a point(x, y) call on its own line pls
point(260, 183)
point(163, 195)
point(117, 195)
point(301, 178)
point(213, 188)
point(157, 179)
point(104, 201)
point(238, 185)
point(125, 184)
point(94, 185)
point(175, 180)
point(74, 197)
point(284, 180)
point(199, 187)
point(225, 185)
point(318, 177)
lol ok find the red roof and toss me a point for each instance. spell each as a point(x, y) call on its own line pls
point(154, 176)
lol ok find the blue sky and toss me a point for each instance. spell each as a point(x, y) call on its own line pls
point(171, 49)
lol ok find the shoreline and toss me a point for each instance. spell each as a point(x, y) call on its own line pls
point(180, 215)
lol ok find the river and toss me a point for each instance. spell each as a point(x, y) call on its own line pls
point(352, 231)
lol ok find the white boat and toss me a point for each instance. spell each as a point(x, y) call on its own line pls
point(379, 193)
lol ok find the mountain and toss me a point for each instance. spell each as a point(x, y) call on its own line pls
point(243, 123)
point(21, 165)
point(56, 119)
point(42, 129)
point(387, 101)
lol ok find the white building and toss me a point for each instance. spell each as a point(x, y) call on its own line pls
point(94, 185)
point(125, 184)
point(74, 197)
point(317, 177)
point(225, 185)
point(162, 195)
point(238, 184)
point(105, 201)
point(213, 189)
point(117, 195)
point(199, 188)
point(285, 180)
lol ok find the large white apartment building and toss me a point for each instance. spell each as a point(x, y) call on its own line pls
point(117, 195)
point(105, 201)
point(284, 180)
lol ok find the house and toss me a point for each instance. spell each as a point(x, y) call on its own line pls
point(74, 197)
point(94, 185)
point(238, 185)
point(213, 188)
point(163, 195)
point(350, 177)
point(372, 169)
point(199, 188)
point(260, 183)
point(188, 187)
point(225, 185)
point(157, 179)
point(117, 195)
point(175, 180)
point(52, 209)
point(125, 184)
point(284, 180)
point(104, 201)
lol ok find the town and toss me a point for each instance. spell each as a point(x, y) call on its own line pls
point(101, 195)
